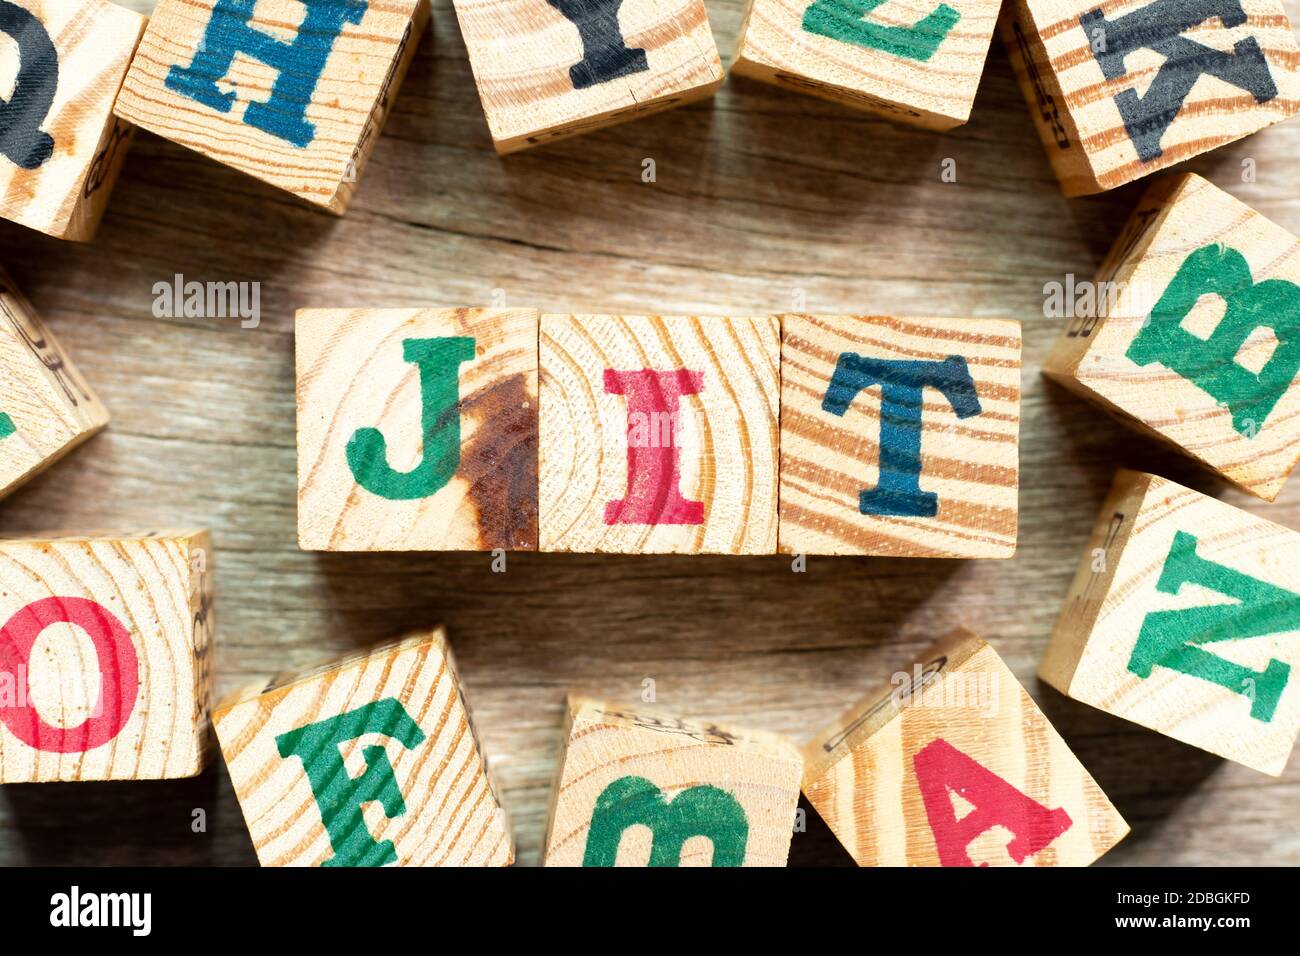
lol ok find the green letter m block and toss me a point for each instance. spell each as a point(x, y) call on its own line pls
point(1177, 639)
point(699, 811)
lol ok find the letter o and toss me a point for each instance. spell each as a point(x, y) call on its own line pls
point(119, 673)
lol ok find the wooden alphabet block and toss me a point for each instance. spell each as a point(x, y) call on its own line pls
point(294, 92)
point(367, 760)
point(659, 434)
point(1195, 334)
point(952, 764)
point(60, 145)
point(640, 789)
point(46, 408)
point(547, 69)
point(916, 62)
point(899, 436)
point(417, 429)
point(1184, 617)
point(1120, 90)
point(105, 656)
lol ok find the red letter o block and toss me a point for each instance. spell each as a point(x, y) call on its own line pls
point(119, 673)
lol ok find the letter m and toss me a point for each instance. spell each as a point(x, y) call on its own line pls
point(1177, 639)
point(698, 811)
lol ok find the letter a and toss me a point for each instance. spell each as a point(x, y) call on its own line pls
point(340, 797)
point(942, 770)
point(298, 64)
point(1210, 364)
point(21, 116)
point(697, 811)
point(439, 361)
point(1172, 638)
point(898, 491)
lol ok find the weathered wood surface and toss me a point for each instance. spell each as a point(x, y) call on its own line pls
point(759, 194)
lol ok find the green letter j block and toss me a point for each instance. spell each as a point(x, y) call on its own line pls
point(439, 362)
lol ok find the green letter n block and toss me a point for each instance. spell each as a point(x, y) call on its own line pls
point(846, 21)
point(339, 796)
point(699, 811)
point(1176, 639)
point(1210, 364)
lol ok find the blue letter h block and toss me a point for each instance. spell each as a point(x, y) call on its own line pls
point(299, 64)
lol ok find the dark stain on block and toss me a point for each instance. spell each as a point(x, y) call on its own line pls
point(500, 463)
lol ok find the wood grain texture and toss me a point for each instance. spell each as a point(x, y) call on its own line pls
point(935, 92)
point(969, 459)
point(449, 815)
point(1126, 575)
point(1176, 221)
point(762, 195)
point(64, 193)
point(598, 446)
point(725, 797)
point(348, 105)
point(522, 52)
point(152, 697)
point(352, 375)
point(1075, 103)
point(868, 773)
point(48, 407)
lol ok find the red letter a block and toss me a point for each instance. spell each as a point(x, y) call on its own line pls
point(943, 771)
point(952, 764)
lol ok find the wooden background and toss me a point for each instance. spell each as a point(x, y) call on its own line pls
point(759, 193)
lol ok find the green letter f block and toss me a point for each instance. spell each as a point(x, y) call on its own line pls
point(341, 797)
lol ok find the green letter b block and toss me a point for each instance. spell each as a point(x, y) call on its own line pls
point(699, 811)
point(1210, 364)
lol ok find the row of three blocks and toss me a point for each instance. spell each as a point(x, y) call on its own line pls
point(485, 429)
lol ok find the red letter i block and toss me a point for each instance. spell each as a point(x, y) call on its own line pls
point(659, 434)
point(952, 764)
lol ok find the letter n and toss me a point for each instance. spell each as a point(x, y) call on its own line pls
point(1174, 639)
point(298, 64)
